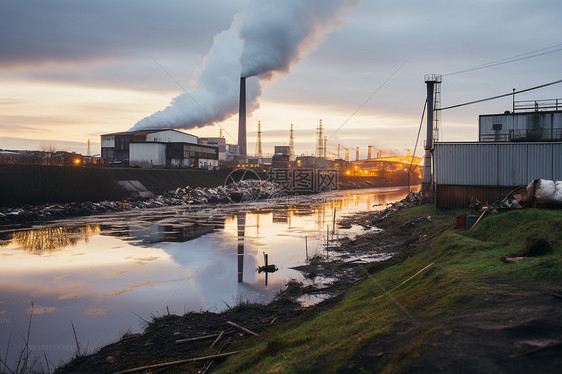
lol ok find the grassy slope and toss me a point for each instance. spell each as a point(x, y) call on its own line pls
point(466, 270)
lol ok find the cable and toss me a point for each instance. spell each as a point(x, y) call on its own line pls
point(417, 139)
point(370, 97)
point(507, 60)
point(500, 96)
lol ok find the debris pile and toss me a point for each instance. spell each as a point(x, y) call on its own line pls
point(242, 191)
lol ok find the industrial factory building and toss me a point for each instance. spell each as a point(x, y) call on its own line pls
point(514, 148)
point(157, 148)
point(218, 142)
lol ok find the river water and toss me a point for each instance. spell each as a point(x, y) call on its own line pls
point(105, 274)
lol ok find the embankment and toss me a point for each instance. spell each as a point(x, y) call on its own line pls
point(39, 184)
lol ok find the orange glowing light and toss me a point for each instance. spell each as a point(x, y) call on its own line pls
point(76, 161)
point(348, 172)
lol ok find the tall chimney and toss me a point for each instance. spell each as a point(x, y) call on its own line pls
point(242, 118)
point(427, 181)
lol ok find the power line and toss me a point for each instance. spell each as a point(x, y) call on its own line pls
point(507, 60)
point(370, 97)
point(417, 139)
point(500, 96)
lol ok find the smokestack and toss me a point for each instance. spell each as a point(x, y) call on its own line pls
point(369, 148)
point(356, 153)
point(427, 181)
point(242, 118)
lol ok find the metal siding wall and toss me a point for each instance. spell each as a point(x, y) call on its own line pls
point(496, 164)
point(557, 161)
point(170, 136)
point(513, 164)
point(466, 164)
point(539, 161)
point(486, 172)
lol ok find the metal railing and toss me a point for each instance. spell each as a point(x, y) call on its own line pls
point(523, 135)
point(535, 135)
point(490, 138)
point(537, 105)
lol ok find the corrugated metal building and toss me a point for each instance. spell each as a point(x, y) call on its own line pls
point(488, 171)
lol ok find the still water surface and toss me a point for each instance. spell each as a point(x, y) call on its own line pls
point(105, 274)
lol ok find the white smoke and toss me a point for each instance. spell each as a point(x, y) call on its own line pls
point(268, 38)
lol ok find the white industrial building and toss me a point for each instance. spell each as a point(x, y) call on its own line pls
point(157, 148)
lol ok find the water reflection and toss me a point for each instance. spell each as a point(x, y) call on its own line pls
point(158, 233)
point(46, 240)
point(241, 228)
point(185, 258)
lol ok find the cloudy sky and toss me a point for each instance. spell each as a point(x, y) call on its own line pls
point(72, 70)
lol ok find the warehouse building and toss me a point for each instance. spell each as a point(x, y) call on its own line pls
point(157, 148)
point(514, 148)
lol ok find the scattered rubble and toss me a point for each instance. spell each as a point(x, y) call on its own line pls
point(238, 192)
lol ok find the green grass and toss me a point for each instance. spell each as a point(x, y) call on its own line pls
point(466, 269)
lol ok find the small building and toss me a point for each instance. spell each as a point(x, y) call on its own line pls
point(313, 162)
point(280, 161)
point(533, 121)
point(282, 149)
point(218, 142)
point(192, 155)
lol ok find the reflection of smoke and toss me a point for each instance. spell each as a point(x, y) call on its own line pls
point(275, 35)
point(51, 238)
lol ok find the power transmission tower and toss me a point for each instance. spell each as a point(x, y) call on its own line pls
point(319, 140)
point(259, 151)
point(291, 145)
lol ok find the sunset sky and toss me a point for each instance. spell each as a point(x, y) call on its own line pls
point(72, 70)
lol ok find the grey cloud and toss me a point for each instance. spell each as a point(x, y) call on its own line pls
point(274, 35)
point(45, 31)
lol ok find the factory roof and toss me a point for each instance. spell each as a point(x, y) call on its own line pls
point(148, 131)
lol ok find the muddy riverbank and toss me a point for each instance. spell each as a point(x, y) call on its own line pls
point(455, 306)
point(109, 272)
point(172, 337)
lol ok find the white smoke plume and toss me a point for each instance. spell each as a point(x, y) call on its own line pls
point(267, 38)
